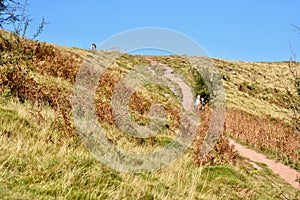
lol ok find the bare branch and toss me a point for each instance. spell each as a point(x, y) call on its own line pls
point(297, 28)
point(293, 52)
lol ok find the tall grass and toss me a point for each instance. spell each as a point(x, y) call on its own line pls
point(43, 158)
point(267, 135)
point(36, 162)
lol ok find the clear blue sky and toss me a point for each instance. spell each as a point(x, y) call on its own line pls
point(250, 30)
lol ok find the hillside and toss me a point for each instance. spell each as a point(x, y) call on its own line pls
point(259, 110)
point(258, 88)
point(42, 156)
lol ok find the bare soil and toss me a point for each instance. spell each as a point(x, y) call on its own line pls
point(288, 174)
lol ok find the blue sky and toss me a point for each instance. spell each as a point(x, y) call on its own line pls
point(231, 29)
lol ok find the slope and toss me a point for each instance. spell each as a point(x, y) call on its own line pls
point(42, 156)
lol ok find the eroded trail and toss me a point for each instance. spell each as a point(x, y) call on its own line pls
point(286, 173)
point(187, 95)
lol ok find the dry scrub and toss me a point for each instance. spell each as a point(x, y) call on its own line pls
point(266, 134)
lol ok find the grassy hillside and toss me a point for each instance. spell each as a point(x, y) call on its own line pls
point(37, 162)
point(258, 88)
point(259, 112)
point(259, 108)
point(42, 156)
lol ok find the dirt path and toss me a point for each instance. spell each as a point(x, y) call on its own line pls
point(187, 95)
point(286, 173)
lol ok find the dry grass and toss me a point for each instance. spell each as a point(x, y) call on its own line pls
point(37, 163)
point(258, 88)
point(265, 134)
point(222, 153)
point(43, 158)
point(259, 109)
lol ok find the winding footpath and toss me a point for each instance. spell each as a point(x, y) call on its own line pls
point(286, 173)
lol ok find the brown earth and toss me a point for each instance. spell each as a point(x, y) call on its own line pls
point(291, 176)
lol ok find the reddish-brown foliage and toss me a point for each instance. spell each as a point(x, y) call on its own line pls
point(138, 103)
point(222, 152)
point(23, 59)
point(265, 134)
point(43, 59)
